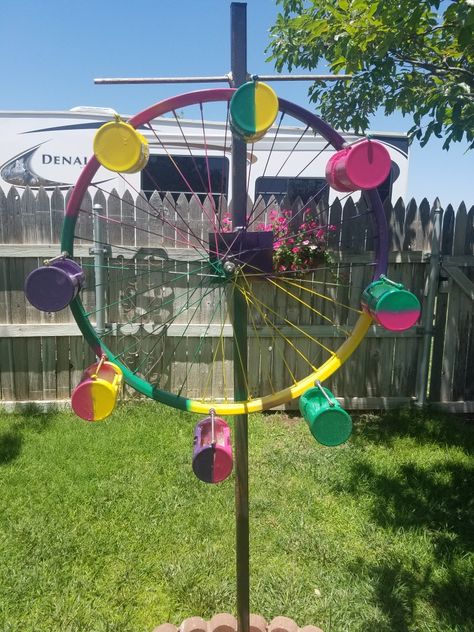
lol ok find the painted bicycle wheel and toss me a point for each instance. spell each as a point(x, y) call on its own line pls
point(174, 261)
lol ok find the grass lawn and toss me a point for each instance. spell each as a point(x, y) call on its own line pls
point(105, 527)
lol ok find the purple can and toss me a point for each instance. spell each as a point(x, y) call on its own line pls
point(52, 287)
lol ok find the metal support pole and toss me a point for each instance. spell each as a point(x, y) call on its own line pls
point(98, 250)
point(216, 79)
point(429, 307)
point(239, 213)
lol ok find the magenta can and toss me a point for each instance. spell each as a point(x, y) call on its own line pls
point(212, 453)
point(361, 166)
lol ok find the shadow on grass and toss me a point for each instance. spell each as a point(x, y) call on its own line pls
point(429, 501)
point(425, 426)
point(31, 419)
point(10, 446)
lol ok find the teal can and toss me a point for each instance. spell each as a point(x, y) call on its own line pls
point(390, 304)
point(329, 423)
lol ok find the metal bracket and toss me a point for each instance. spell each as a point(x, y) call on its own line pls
point(106, 250)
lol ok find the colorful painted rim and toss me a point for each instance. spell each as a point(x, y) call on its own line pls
point(119, 147)
point(253, 110)
point(224, 408)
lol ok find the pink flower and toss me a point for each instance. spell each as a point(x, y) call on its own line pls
point(295, 249)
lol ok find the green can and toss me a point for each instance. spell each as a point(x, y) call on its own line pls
point(329, 423)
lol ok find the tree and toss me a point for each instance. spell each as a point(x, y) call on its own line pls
point(416, 56)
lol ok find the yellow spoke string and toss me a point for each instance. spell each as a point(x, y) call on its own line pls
point(307, 305)
point(257, 335)
point(248, 298)
point(219, 345)
point(293, 326)
point(242, 367)
point(262, 314)
point(319, 295)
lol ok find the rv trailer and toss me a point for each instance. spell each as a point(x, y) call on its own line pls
point(49, 150)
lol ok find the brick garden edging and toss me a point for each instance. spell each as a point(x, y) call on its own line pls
point(225, 622)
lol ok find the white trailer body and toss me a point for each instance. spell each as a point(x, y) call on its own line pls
point(49, 149)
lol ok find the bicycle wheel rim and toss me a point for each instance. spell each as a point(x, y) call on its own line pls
point(255, 404)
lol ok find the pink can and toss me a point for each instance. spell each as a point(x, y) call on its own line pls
point(212, 453)
point(364, 165)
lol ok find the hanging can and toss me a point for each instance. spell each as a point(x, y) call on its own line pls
point(52, 287)
point(364, 165)
point(329, 423)
point(119, 147)
point(390, 304)
point(212, 452)
point(253, 110)
point(95, 397)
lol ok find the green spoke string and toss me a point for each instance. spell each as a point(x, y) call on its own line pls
point(144, 271)
point(201, 341)
point(127, 298)
point(163, 325)
point(198, 304)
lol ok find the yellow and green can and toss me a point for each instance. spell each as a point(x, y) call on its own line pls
point(253, 110)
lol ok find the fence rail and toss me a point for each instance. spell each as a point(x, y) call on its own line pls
point(42, 355)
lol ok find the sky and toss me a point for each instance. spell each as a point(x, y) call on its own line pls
point(53, 49)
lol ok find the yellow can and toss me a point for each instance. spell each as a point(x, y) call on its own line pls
point(119, 147)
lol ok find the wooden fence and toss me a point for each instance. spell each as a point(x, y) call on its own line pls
point(42, 355)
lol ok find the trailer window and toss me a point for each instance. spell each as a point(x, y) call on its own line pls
point(185, 174)
point(308, 189)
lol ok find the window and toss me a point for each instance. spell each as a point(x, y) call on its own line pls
point(185, 174)
point(308, 189)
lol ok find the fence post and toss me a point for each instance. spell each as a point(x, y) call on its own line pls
point(429, 305)
point(99, 250)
